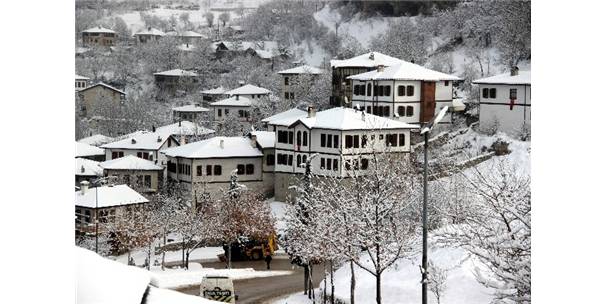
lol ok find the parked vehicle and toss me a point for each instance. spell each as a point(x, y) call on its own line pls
point(218, 288)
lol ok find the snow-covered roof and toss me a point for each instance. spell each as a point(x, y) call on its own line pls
point(304, 69)
point(177, 73)
point(98, 29)
point(216, 147)
point(183, 128)
point(368, 60)
point(236, 27)
point(190, 108)
point(345, 119)
point(151, 31)
point(78, 77)
point(108, 196)
point(87, 167)
point(103, 85)
point(293, 113)
point(191, 34)
point(265, 139)
point(129, 162)
point(404, 71)
point(84, 150)
point(248, 89)
point(215, 91)
point(523, 77)
point(139, 141)
point(264, 54)
point(233, 101)
point(96, 140)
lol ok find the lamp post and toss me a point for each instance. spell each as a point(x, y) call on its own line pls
point(101, 179)
point(425, 132)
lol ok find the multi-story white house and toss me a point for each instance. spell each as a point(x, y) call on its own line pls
point(136, 172)
point(290, 77)
point(146, 145)
point(505, 101)
point(249, 91)
point(205, 166)
point(235, 105)
point(213, 94)
point(87, 170)
point(292, 113)
point(341, 137)
point(406, 92)
point(191, 112)
point(185, 131)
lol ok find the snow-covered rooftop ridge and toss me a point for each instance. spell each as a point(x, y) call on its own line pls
point(139, 141)
point(234, 101)
point(248, 89)
point(215, 91)
point(177, 73)
point(84, 150)
point(190, 108)
point(151, 31)
point(95, 140)
point(129, 162)
point(265, 139)
point(216, 147)
point(191, 34)
point(404, 71)
point(368, 60)
point(98, 29)
point(87, 167)
point(345, 119)
point(78, 77)
point(103, 85)
point(183, 128)
point(523, 77)
point(304, 69)
point(108, 196)
point(293, 113)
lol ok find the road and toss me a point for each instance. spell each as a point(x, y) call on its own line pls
point(261, 290)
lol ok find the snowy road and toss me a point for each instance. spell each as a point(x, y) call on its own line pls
point(262, 290)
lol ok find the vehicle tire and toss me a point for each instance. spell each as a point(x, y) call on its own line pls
point(256, 255)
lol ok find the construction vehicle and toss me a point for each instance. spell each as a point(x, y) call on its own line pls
point(251, 249)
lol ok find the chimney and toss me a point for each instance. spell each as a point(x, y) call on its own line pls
point(241, 82)
point(311, 112)
point(179, 122)
point(372, 56)
point(182, 140)
point(221, 144)
point(84, 186)
point(159, 138)
point(153, 128)
point(514, 71)
point(381, 67)
point(253, 140)
point(363, 116)
point(237, 97)
point(82, 169)
point(133, 141)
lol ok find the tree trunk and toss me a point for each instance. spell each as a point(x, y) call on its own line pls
point(378, 288)
point(187, 260)
point(311, 283)
point(352, 285)
point(305, 279)
point(164, 252)
point(183, 252)
point(332, 283)
point(149, 256)
point(229, 255)
point(324, 291)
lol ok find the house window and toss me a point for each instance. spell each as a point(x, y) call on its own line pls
point(368, 110)
point(356, 141)
point(387, 90)
point(493, 93)
point(209, 170)
point(199, 170)
point(401, 111)
point(409, 111)
point(305, 138)
point(240, 169)
point(219, 112)
point(286, 81)
point(217, 170)
point(402, 139)
point(391, 140)
point(364, 141)
point(270, 160)
point(348, 141)
point(328, 164)
point(290, 136)
point(329, 141)
point(446, 83)
point(250, 169)
point(292, 95)
point(298, 161)
point(286, 95)
point(368, 89)
point(380, 93)
point(147, 181)
point(117, 154)
point(401, 90)
point(322, 163)
point(335, 164)
point(304, 159)
point(241, 113)
point(335, 143)
point(290, 160)
point(386, 111)
point(356, 89)
point(485, 93)
point(362, 90)
point(513, 94)
point(410, 90)
point(226, 112)
point(298, 138)
point(283, 137)
point(375, 89)
point(323, 140)
point(364, 163)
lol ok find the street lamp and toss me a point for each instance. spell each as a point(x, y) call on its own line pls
point(425, 132)
point(101, 179)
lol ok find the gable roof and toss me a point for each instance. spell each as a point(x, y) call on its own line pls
point(95, 140)
point(304, 69)
point(211, 148)
point(248, 89)
point(150, 31)
point(523, 77)
point(140, 141)
point(190, 108)
point(404, 71)
point(98, 29)
point(109, 196)
point(84, 150)
point(233, 102)
point(87, 167)
point(184, 128)
point(293, 114)
point(107, 86)
point(348, 119)
point(177, 73)
point(368, 60)
point(78, 77)
point(265, 139)
point(129, 162)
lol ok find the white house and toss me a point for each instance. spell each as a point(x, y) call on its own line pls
point(191, 112)
point(149, 34)
point(249, 91)
point(146, 145)
point(206, 166)
point(340, 136)
point(291, 76)
point(292, 113)
point(87, 170)
point(185, 131)
point(266, 142)
point(236, 105)
point(89, 152)
point(135, 172)
point(406, 92)
point(505, 101)
point(213, 94)
point(81, 82)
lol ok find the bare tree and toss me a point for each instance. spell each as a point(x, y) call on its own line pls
point(437, 280)
point(210, 18)
point(224, 18)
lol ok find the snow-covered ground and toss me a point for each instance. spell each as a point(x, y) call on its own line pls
point(278, 210)
point(204, 254)
point(295, 298)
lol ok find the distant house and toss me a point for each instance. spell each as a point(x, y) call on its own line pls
point(176, 79)
point(137, 173)
point(213, 94)
point(505, 101)
point(95, 94)
point(249, 91)
point(191, 112)
point(235, 104)
point(89, 152)
point(149, 34)
point(185, 131)
point(81, 82)
point(87, 170)
point(190, 37)
point(289, 114)
point(290, 77)
point(146, 145)
point(206, 166)
point(96, 140)
point(264, 50)
point(405, 91)
point(104, 204)
point(98, 36)
point(341, 69)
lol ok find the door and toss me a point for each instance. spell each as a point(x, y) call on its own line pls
point(428, 100)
